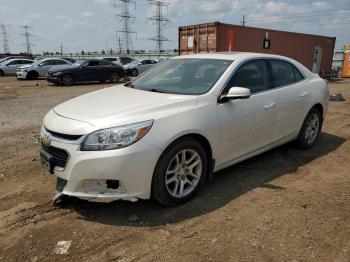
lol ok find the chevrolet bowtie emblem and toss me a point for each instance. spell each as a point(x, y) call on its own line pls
point(46, 140)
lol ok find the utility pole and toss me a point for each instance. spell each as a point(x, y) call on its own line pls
point(119, 45)
point(61, 49)
point(159, 20)
point(27, 36)
point(5, 39)
point(126, 18)
point(243, 22)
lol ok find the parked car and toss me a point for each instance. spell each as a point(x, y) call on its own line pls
point(163, 134)
point(137, 67)
point(87, 70)
point(9, 67)
point(40, 68)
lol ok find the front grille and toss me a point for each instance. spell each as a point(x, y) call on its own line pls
point(60, 155)
point(64, 136)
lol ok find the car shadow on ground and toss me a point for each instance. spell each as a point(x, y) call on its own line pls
point(226, 185)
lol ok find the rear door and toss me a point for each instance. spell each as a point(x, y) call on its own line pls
point(290, 84)
point(247, 125)
point(44, 66)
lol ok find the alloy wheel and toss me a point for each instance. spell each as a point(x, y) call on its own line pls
point(312, 128)
point(183, 173)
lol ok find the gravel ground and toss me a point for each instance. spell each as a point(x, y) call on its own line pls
point(284, 205)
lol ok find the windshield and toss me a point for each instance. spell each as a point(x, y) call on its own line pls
point(188, 76)
point(134, 62)
point(79, 63)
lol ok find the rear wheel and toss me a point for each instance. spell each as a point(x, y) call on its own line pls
point(67, 80)
point(310, 130)
point(134, 72)
point(1, 73)
point(114, 77)
point(179, 173)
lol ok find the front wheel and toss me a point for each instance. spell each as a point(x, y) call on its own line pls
point(179, 173)
point(67, 80)
point(310, 130)
point(114, 77)
point(134, 72)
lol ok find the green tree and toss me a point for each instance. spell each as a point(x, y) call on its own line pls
point(82, 52)
point(103, 52)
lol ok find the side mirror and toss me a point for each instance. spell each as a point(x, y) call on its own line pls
point(236, 93)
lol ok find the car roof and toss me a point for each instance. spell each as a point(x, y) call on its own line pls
point(231, 55)
point(14, 59)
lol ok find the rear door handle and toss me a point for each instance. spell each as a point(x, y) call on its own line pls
point(304, 94)
point(269, 106)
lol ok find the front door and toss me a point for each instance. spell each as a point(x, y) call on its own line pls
point(247, 125)
point(317, 60)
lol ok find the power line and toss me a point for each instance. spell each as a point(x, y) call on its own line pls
point(160, 21)
point(126, 18)
point(4, 38)
point(27, 36)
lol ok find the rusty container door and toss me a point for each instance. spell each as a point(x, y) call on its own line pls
point(198, 39)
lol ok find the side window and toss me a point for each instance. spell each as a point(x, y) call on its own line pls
point(252, 75)
point(16, 62)
point(60, 62)
point(283, 73)
point(93, 63)
point(145, 62)
point(104, 63)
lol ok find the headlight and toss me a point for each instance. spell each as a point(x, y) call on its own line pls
point(57, 73)
point(116, 137)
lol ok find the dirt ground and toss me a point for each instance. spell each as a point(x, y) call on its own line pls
point(285, 205)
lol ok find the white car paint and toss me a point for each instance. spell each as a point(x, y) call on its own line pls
point(9, 67)
point(236, 130)
point(140, 66)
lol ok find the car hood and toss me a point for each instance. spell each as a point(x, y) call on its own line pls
point(59, 68)
point(120, 105)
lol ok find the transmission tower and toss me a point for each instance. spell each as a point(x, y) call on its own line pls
point(4, 38)
point(126, 18)
point(160, 21)
point(27, 36)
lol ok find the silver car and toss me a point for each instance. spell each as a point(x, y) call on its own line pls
point(9, 67)
point(137, 67)
point(40, 68)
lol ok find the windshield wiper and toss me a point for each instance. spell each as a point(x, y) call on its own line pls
point(156, 90)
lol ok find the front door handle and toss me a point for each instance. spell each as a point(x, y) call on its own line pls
point(269, 106)
point(304, 94)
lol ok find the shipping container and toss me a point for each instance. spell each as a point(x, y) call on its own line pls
point(346, 65)
point(313, 51)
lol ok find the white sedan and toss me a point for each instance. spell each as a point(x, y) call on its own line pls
point(9, 67)
point(163, 134)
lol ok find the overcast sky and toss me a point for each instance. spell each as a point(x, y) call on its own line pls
point(92, 25)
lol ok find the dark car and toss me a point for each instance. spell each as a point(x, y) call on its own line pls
point(88, 70)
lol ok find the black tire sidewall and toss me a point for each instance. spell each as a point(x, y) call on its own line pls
point(67, 75)
point(301, 141)
point(134, 72)
point(159, 191)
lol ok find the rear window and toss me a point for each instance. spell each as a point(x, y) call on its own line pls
point(284, 73)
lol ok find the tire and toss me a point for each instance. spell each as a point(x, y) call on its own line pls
point(32, 75)
point(67, 80)
point(183, 181)
point(134, 72)
point(310, 129)
point(1, 73)
point(114, 77)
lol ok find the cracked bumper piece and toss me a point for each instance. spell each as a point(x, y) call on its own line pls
point(105, 176)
